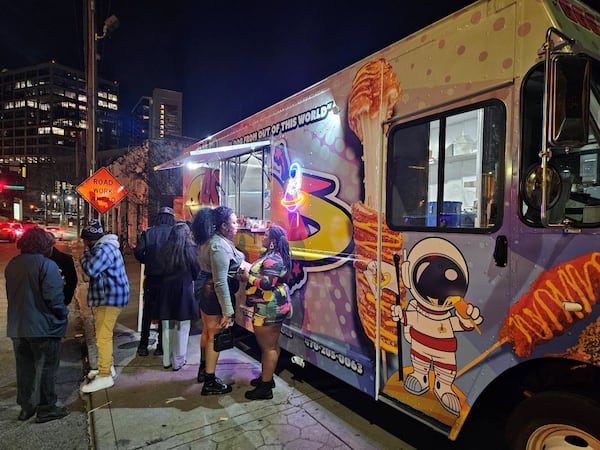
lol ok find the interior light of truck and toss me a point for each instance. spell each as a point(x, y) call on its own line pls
point(195, 165)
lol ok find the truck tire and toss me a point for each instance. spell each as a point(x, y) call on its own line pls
point(554, 420)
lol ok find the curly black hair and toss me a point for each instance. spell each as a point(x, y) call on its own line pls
point(207, 221)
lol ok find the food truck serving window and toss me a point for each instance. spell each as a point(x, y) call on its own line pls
point(246, 184)
point(453, 160)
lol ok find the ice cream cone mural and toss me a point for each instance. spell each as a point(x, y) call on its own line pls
point(375, 91)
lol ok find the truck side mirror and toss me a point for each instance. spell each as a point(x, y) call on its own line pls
point(569, 101)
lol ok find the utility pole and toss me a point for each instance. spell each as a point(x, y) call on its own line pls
point(90, 78)
point(110, 24)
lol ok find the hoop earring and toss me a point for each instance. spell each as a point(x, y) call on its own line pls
point(271, 245)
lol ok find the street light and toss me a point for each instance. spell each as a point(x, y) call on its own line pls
point(110, 25)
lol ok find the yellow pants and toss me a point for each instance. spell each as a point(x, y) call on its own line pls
point(106, 317)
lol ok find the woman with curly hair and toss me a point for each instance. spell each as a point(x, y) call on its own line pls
point(267, 291)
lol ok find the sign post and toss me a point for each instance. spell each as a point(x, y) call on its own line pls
point(102, 190)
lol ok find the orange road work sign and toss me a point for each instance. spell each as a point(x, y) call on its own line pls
point(102, 190)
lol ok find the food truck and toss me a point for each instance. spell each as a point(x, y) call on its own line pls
point(442, 203)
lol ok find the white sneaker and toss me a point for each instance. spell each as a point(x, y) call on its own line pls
point(94, 373)
point(98, 384)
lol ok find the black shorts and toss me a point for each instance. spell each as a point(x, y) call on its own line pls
point(209, 303)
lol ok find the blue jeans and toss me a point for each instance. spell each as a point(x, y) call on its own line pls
point(36, 357)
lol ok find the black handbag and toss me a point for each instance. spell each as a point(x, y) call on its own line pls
point(223, 340)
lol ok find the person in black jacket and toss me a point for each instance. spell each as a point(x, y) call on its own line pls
point(147, 251)
point(36, 323)
point(65, 263)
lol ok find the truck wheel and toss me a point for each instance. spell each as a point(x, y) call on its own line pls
point(553, 421)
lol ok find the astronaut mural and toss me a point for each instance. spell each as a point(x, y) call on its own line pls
point(435, 274)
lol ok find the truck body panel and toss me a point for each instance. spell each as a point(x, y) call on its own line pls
point(419, 307)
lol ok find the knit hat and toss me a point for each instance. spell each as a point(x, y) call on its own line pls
point(93, 231)
point(166, 210)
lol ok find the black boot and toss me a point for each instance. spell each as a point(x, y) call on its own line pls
point(142, 349)
point(254, 382)
point(159, 348)
point(214, 386)
point(263, 391)
point(201, 372)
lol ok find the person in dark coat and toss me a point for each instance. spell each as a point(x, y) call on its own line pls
point(36, 323)
point(177, 303)
point(65, 263)
point(147, 251)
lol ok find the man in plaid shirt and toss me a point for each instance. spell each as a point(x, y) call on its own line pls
point(108, 294)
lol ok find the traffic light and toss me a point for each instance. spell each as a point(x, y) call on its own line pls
point(57, 187)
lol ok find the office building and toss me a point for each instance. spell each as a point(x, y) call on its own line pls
point(156, 117)
point(43, 121)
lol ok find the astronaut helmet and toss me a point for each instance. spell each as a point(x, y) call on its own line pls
point(435, 272)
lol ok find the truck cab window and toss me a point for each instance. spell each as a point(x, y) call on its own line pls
point(453, 160)
point(574, 194)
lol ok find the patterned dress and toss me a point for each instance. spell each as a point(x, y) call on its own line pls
point(267, 290)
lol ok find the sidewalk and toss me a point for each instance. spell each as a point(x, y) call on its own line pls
point(153, 408)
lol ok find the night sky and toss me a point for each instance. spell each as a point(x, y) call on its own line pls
point(229, 58)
